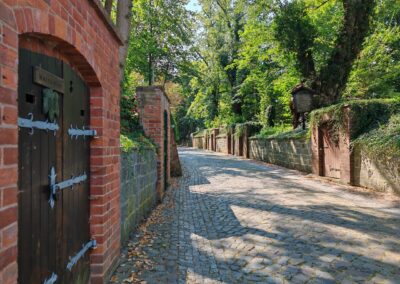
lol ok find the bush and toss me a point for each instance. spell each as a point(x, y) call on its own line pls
point(136, 141)
point(383, 141)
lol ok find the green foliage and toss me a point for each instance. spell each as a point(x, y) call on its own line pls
point(160, 40)
point(273, 131)
point(365, 115)
point(376, 73)
point(136, 141)
point(252, 53)
point(129, 117)
point(200, 133)
point(284, 135)
point(251, 127)
point(384, 141)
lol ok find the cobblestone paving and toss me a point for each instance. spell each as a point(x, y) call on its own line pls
point(236, 221)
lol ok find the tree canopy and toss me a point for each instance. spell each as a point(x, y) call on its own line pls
point(233, 59)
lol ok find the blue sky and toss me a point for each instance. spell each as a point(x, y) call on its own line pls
point(193, 5)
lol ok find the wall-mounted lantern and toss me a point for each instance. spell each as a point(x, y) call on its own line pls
point(302, 101)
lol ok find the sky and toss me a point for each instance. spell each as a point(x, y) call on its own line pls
point(193, 6)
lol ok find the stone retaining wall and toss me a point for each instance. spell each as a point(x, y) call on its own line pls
point(381, 175)
point(289, 153)
point(138, 188)
point(198, 142)
point(222, 146)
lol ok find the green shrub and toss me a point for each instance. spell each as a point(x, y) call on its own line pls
point(266, 132)
point(365, 115)
point(384, 141)
point(136, 141)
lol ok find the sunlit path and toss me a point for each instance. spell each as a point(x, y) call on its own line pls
point(236, 221)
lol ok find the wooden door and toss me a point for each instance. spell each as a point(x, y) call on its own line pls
point(331, 165)
point(52, 227)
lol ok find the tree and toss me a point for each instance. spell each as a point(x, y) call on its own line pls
point(161, 39)
point(123, 15)
point(330, 81)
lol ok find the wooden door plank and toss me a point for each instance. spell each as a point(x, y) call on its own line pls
point(26, 103)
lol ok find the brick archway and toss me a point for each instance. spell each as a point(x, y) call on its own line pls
point(81, 35)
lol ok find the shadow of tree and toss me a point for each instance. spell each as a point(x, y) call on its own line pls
point(239, 222)
point(316, 256)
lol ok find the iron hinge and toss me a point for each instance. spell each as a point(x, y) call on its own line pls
point(92, 244)
point(55, 187)
point(76, 132)
point(43, 125)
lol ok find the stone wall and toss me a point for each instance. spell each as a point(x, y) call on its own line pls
point(198, 142)
point(381, 175)
point(222, 144)
point(289, 153)
point(138, 188)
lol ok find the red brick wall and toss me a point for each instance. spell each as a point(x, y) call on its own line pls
point(152, 104)
point(77, 32)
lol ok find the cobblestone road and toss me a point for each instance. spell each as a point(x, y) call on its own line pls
point(236, 221)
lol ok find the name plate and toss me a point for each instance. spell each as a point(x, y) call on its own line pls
point(47, 79)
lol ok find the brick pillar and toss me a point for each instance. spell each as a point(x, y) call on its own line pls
point(153, 102)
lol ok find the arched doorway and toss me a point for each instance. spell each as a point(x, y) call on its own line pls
point(54, 151)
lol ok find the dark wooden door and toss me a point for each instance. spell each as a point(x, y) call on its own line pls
point(49, 237)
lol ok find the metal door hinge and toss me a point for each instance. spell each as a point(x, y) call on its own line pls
point(76, 132)
point(43, 125)
point(55, 187)
point(92, 244)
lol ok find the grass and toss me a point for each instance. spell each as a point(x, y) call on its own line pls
point(282, 132)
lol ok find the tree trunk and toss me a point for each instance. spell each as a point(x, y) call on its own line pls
point(124, 14)
point(108, 6)
point(151, 72)
point(334, 75)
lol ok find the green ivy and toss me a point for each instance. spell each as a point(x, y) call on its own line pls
point(373, 124)
point(282, 132)
point(383, 141)
point(136, 141)
point(365, 115)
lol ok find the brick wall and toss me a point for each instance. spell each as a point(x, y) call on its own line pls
point(138, 188)
point(79, 33)
point(289, 153)
point(152, 104)
point(379, 174)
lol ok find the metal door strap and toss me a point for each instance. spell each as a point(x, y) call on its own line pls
point(76, 132)
point(43, 125)
point(55, 187)
point(92, 244)
point(51, 280)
